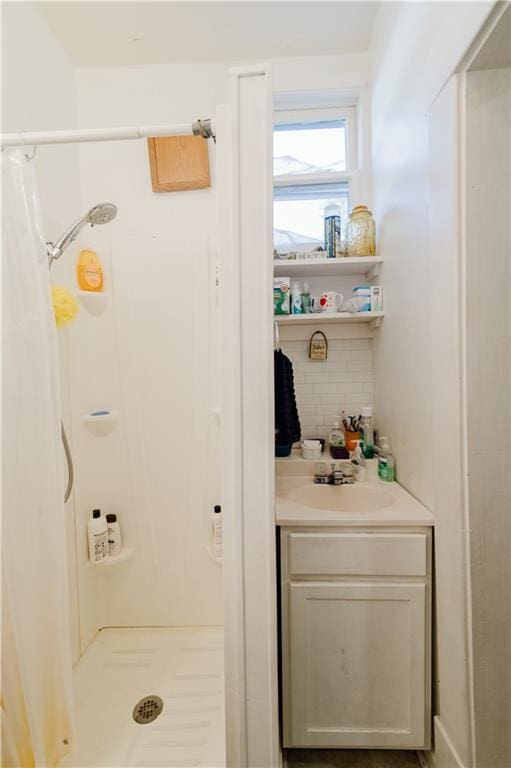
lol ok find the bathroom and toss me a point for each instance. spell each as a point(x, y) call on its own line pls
point(164, 383)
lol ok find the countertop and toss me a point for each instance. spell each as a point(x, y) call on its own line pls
point(393, 506)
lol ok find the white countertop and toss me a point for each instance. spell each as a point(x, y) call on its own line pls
point(393, 506)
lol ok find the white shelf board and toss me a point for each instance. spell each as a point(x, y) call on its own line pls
point(320, 318)
point(125, 555)
point(101, 424)
point(350, 265)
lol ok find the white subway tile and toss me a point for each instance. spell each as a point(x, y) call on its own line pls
point(357, 344)
point(337, 344)
point(337, 365)
point(362, 398)
point(303, 389)
point(360, 354)
point(307, 410)
point(332, 399)
point(328, 412)
point(351, 386)
point(326, 389)
point(317, 378)
point(364, 376)
point(359, 365)
point(306, 399)
point(340, 376)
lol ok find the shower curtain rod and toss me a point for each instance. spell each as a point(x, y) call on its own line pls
point(204, 128)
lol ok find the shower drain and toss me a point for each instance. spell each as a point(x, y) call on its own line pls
point(147, 709)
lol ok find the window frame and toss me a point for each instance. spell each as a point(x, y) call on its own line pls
point(317, 115)
point(351, 175)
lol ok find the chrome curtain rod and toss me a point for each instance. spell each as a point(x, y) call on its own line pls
point(204, 128)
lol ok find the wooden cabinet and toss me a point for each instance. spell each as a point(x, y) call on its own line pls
point(356, 645)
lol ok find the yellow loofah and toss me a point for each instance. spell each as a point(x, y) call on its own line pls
point(65, 306)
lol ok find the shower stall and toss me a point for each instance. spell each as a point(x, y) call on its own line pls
point(150, 401)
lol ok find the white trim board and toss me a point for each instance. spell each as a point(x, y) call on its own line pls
point(445, 753)
point(245, 180)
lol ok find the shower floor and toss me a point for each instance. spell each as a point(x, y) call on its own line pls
point(183, 666)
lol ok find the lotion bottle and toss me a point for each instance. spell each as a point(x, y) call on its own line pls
point(98, 537)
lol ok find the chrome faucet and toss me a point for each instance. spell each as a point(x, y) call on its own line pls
point(343, 475)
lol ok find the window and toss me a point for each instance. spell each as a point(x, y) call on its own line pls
point(313, 157)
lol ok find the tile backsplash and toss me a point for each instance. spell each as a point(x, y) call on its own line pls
point(325, 387)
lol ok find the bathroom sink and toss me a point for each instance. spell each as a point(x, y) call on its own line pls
point(339, 498)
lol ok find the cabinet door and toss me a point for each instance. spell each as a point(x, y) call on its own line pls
point(354, 666)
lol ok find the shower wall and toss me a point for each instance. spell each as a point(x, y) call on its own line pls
point(152, 358)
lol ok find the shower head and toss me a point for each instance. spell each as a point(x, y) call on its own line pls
point(102, 213)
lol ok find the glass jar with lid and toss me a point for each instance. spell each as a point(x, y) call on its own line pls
point(361, 232)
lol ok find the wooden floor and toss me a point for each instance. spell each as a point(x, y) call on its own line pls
point(351, 758)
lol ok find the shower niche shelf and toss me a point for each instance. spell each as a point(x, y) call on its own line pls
point(126, 554)
point(94, 302)
point(102, 424)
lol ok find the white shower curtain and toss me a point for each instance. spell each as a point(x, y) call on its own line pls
point(36, 660)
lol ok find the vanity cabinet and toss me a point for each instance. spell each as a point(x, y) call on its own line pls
point(355, 637)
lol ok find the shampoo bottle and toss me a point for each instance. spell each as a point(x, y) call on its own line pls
point(89, 271)
point(114, 535)
point(98, 537)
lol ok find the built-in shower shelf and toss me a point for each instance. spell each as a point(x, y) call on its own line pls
point(126, 554)
point(94, 302)
point(101, 424)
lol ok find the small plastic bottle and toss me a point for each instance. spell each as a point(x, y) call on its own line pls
point(216, 520)
point(98, 537)
point(296, 300)
point(306, 299)
point(114, 535)
point(359, 464)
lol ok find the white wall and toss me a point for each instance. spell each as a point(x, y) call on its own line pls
point(415, 49)
point(488, 276)
point(38, 94)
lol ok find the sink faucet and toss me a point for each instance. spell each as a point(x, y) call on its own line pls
point(340, 476)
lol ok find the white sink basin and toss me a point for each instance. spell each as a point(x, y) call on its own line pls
point(339, 498)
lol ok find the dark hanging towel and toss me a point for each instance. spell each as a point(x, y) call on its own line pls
point(287, 423)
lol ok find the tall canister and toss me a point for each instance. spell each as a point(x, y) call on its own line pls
point(332, 230)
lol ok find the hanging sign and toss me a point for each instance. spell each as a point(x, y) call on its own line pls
point(318, 346)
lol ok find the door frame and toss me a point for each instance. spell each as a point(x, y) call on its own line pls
point(248, 494)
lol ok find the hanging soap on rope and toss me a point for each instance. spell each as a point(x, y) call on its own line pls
point(318, 346)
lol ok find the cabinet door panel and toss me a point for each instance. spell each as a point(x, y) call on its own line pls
point(355, 674)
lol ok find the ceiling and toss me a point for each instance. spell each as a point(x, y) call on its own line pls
point(119, 33)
